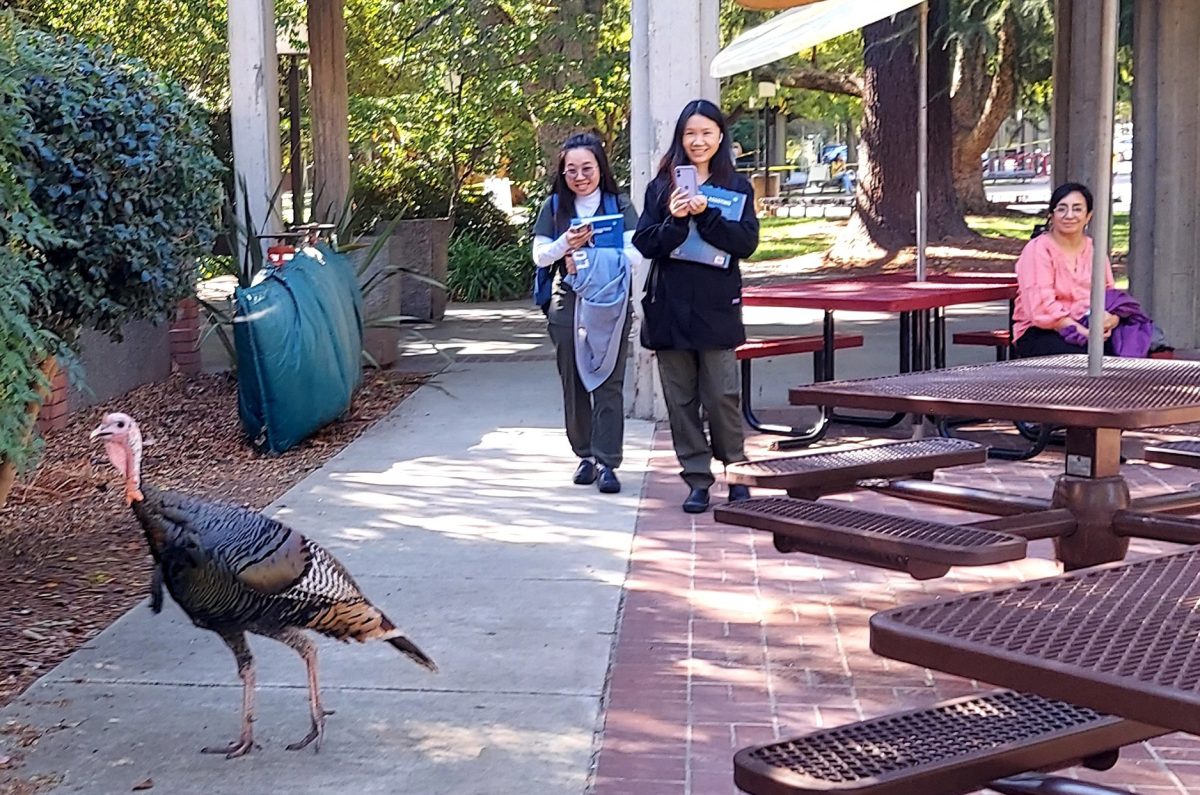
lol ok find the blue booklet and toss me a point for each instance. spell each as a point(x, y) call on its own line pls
point(608, 231)
point(695, 248)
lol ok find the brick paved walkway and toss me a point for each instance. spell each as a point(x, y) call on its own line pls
point(724, 642)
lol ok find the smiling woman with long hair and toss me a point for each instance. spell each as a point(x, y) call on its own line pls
point(693, 309)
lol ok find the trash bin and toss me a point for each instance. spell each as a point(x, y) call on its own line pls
point(772, 189)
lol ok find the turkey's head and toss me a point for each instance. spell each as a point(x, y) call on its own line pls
point(123, 444)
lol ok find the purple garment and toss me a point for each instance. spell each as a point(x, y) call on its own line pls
point(1131, 338)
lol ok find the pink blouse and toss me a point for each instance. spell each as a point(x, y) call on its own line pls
point(1052, 284)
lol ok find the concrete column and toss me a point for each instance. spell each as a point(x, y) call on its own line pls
point(254, 109)
point(330, 107)
point(674, 41)
point(1076, 89)
point(1164, 269)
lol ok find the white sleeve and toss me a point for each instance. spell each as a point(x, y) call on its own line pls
point(547, 251)
point(631, 253)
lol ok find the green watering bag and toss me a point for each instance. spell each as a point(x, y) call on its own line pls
point(299, 338)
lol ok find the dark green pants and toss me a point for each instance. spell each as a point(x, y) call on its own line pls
point(595, 420)
point(710, 380)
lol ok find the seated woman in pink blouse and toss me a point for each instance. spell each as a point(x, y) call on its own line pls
point(1054, 279)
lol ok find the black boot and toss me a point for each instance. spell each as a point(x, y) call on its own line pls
point(607, 480)
point(585, 473)
point(697, 501)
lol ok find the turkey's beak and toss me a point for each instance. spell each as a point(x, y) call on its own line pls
point(102, 432)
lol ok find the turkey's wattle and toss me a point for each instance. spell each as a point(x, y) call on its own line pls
point(235, 571)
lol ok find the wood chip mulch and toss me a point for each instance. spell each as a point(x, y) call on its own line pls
point(72, 554)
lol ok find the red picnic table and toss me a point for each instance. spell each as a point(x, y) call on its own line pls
point(913, 301)
point(906, 298)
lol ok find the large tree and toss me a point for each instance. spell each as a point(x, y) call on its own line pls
point(885, 207)
point(1003, 48)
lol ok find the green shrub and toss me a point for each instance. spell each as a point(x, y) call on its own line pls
point(24, 340)
point(477, 215)
point(480, 270)
point(120, 162)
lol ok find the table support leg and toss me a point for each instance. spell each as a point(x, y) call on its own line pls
point(1093, 501)
point(1093, 452)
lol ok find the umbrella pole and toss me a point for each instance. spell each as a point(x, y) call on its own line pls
point(922, 136)
point(923, 331)
point(1102, 181)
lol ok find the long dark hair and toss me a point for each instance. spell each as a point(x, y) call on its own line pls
point(566, 196)
point(721, 165)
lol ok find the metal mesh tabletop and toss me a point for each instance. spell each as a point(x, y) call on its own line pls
point(1122, 638)
point(1130, 393)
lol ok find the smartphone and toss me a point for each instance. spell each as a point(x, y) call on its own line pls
point(685, 177)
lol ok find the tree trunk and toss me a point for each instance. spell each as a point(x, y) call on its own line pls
point(576, 47)
point(885, 207)
point(8, 470)
point(979, 108)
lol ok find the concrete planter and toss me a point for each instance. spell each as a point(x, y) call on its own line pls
point(420, 245)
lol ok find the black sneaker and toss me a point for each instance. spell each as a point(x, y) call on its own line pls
point(607, 480)
point(696, 502)
point(739, 493)
point(585, 473)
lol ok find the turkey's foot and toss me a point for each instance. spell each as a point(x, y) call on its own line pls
point(316, 733)
point(239, 747)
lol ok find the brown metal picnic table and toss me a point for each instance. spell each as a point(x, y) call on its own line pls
point(1096, 410)
point(1121, 638)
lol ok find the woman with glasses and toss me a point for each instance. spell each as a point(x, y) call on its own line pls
point(1054, 280)
point(594, 415)
point(693, 304)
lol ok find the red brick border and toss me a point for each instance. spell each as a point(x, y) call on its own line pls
point(185, 338)
point(53, 414)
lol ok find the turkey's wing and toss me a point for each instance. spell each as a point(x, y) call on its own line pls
point(265, 555)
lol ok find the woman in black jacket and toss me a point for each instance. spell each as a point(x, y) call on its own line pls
point(693, 309)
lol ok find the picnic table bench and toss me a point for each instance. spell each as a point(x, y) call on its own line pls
point(816, 474)
point(753, 349)
point(923, 549)
point(1184, 453)
point(950, 748)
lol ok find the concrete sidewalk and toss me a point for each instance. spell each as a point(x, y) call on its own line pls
point(453, 517)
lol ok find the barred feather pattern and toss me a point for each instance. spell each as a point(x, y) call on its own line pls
point(230, 568)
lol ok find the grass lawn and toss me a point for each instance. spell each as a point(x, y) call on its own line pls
point(780, 238)
point(1021, 227)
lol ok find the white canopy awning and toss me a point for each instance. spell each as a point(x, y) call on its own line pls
point(799, 29)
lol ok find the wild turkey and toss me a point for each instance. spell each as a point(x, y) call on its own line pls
point(236, 571)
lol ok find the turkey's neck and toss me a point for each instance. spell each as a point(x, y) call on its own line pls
point(149, 514)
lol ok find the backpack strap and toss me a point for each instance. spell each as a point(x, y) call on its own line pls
point(608, 204)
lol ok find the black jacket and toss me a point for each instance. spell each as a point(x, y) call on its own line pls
point(690, 306)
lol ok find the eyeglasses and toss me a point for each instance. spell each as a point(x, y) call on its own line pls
point(587, 172)
point(1065, 209)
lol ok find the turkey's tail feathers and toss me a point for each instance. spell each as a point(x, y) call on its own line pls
point(362, 621)
point(410, 650)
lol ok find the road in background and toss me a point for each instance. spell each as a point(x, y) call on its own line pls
point(1035, 194)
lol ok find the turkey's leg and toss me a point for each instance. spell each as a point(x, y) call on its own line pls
point(236, 641)
point(308, 652)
